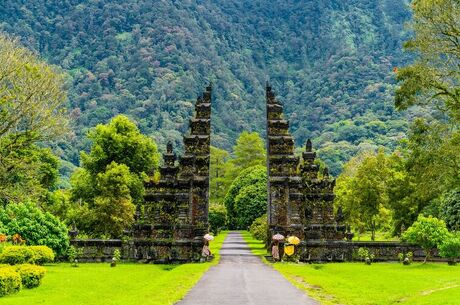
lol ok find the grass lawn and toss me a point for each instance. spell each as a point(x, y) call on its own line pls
point(380, 283)
point(126, 284)
point(379, 236)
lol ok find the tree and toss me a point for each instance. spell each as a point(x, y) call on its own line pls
point(119, 159)
point(217, 173)
point(113, 207)
point(31, 97)
point(433, 162)
point(403, 199)
point(249, 151)
point(35, 226)
point(450, 209)
point(434, 77)
point(29, 173)
point(120, 141)
point(427, 232)
point(427, 170)
point(250, 204)
point(31, 112)
point(256, 178)
point(361, 191)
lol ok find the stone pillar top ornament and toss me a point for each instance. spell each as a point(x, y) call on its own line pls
point(169, 147)
point(326, 172)
point(308, 146)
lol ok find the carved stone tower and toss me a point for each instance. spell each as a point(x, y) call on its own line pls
point(300, 202)
point(170, 225)
point(320, 222)
point(284, 193)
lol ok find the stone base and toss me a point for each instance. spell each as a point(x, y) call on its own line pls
point(141, 250)
point(341, 251)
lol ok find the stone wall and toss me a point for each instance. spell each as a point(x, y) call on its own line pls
point(339, 251)
point(144, 251)
point(100, 250)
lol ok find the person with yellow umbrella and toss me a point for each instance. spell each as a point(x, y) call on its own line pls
point(290, 248)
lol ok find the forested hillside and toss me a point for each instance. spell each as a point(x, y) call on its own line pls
point(331, 62)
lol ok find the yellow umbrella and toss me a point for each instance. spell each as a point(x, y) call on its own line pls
point(293, 240)
point(289, 250)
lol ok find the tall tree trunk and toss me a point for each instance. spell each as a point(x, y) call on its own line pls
point(373, 230)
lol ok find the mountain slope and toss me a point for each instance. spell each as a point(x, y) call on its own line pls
point(330, 61)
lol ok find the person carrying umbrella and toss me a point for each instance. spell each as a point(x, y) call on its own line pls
point(275, 246)
point(206, 251)
point(290, 248)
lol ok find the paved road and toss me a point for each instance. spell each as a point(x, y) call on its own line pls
point(241, 278)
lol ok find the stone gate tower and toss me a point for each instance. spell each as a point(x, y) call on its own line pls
point(170, 225)
point(300, 200)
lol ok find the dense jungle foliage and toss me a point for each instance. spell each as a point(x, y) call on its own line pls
point(386, 123)
point(330, 61)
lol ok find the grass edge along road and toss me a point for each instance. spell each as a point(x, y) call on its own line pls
point(126, 284)
point(379, 284)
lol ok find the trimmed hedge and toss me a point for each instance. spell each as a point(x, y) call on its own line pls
point(15, 255)
point(259, 228)
point(42, 255)
point(10, 281)
point(31, 275)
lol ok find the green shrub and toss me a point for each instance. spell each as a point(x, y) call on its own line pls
point(450, 249)
point(3, 245)
point(117, 255)
point(10, 281)
point(73, 254)
point(31, 275)
point(366, 255)
point(405, 258)
point(42, 255)
point(246, 198)
point(217, 218)
point(259, 228)
point(450, 209)
point(15, 255)
point(427, 232)
point(34, 226)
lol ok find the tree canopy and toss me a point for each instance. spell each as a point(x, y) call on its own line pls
point(246, 198)
point(109, 184)
point(434, 77)
point(32, 99)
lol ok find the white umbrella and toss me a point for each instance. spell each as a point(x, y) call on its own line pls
point(208, 237)
point(278, 237)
